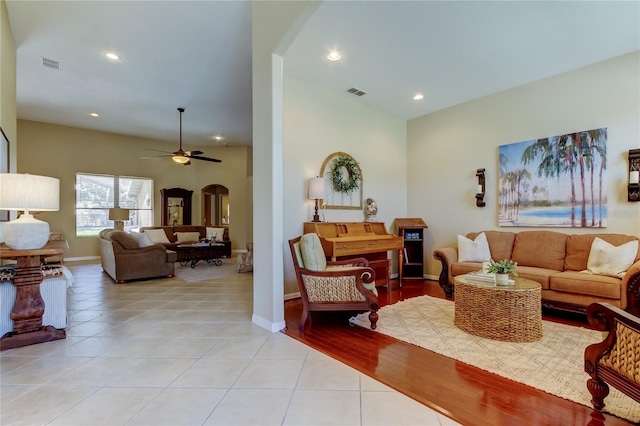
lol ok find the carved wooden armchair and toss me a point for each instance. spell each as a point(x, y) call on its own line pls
point(332, 286)
point(616, 360)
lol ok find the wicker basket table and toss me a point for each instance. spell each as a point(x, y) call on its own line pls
point(509, 313)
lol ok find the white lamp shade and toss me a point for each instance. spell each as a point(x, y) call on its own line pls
point(118, 213)
point(29, 192)
point(316, 188)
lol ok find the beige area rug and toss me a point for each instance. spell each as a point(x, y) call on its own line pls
point(554, 364)
point(206, 271)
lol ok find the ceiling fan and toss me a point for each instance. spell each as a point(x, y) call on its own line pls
point(184, 157)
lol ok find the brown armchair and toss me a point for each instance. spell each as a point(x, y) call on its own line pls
point(614, 361)
point(332, 286)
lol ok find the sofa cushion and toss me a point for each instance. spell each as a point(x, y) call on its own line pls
point(461, 268)
point(587, 284)
point(142, 238)
point(539, 275)
point(216, 233)
point(124, 239)
point(312, 253)
point(476, 250)
point(579, 247)
point(500, 243)
point(157, 236)
point(187, 237)
point(613, 261)
point(543, 249)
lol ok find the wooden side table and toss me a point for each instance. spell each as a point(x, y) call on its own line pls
point(510, 313)
point(29, 307)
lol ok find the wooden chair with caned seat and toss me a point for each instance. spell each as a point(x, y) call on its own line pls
point(616, 360)
point(332, 286)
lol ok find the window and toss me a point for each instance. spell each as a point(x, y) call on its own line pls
point(96, 194)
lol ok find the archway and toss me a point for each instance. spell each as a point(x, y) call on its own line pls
point(216, 211)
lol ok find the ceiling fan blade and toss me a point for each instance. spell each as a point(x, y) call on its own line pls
point(148, 157)
point(213, 160)
point(157, 150)
point(191, 153)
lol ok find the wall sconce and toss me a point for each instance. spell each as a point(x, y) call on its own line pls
point(316, 192)
point(481, 188)
point(634, 175)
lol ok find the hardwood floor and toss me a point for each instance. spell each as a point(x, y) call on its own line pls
point(466, 394)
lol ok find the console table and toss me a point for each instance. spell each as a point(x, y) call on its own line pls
point(29, 307)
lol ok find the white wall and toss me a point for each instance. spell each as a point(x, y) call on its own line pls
point(318, 123)
point(445, 148)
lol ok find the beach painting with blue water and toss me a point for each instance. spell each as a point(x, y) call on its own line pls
point(556, 181)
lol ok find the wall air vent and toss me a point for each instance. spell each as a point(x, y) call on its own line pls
point(356, 91)
point(50, 63)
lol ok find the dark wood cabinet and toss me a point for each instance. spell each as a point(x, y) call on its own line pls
point(176, 206)
point(412, 232)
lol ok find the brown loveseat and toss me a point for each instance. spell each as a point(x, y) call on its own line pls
point(172, 233)
point(554, 260)
point(124, 260)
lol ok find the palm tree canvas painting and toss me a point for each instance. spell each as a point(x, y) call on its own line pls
point(558, 181)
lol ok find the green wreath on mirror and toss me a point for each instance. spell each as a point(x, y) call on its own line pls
point(352, 182)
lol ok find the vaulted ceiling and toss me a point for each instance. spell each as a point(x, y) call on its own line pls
point(197, 55)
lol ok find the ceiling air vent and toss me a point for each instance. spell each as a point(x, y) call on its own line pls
point(50, 63)
point(356, 92)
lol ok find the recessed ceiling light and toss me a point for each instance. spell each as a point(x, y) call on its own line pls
point(334, 55)
point(218, 138)
point(418, 97)
point(94, 114)
point(113, 56)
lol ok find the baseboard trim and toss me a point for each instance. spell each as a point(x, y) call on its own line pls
point(78, 259)
point(290, 296)
point(273, 327)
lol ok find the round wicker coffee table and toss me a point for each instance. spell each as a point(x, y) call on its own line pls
point(508, 313)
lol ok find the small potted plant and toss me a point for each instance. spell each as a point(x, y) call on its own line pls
point(502, 269)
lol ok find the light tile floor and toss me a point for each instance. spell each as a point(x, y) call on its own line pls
point(171, 352)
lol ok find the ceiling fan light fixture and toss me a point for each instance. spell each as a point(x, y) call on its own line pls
point(180, 158)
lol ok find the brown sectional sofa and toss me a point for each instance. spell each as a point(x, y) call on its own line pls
point(124, 260)
point(554, 260)
point(170, 232)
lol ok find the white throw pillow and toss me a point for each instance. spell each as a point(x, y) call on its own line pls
point(607, 259)
point(187, 237)
point(157, 236)
point(143, 239)
point(473, 250)
point(215, 233)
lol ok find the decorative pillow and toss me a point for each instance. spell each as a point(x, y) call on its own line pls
point(613, 261)
point(187, 237)
point(143, 239)
point(473, 250)
point(157, 236)
point(125, 240)
point(312, 252)
point(215, 233)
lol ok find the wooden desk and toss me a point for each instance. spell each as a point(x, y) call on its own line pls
point(29, 307)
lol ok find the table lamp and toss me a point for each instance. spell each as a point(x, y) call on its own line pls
point(25, 192)
point(119, 216)
point(316, 192)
